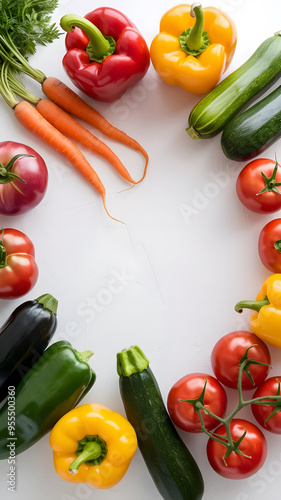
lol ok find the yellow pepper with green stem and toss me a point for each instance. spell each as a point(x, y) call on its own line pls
point(93, 444)
point(194, 47)
point(265, 322)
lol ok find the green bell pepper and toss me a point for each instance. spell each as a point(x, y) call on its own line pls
point(52, 387)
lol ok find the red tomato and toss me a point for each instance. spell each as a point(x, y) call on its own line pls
point(251, 182)
point(269, 246)
point(190, 387)
point(261, 412)
point(18, 269)
point(238, 466)
point(18, 197)
point(227, 353)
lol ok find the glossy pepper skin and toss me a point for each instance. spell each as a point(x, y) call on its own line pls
point(93, 444)
point(24, 337)
point(51, 388)
point(265, 322)
point(197, 71)
point(126, 63)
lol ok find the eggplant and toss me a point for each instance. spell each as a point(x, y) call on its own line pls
point(24, 337)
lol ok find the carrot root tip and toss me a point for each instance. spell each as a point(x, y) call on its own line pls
point(105, 207)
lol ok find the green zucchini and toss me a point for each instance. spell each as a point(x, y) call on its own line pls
point(250, 133)
point(170, 464)
point(216, 109)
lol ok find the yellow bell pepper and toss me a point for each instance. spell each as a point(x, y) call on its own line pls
point(93, 444)
point(194, 47)
point(265, 322)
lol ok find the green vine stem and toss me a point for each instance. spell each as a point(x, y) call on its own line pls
point(227, 441)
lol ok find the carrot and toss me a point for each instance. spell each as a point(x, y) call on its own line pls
point(69, 127)
point(64, 97)
point(32, 120)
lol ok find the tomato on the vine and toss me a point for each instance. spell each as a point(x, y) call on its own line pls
point(23, 178)
point(270, 387)
point(269, 246)
point(190, 387)
point(236, 465)
point(18, 269)
point(228, 352)
point(257, 186)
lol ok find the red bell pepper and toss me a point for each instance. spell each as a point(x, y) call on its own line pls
point(106, 53)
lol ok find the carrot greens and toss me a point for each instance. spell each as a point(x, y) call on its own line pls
point(27, 23)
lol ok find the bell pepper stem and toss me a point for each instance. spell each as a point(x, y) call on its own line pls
point(91, 451)
point(3, 253)
point(255, 305)
point(100, 46)
point(195, 40)
point(85, 355)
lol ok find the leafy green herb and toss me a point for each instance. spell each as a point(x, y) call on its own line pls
point(28, 23)
point(23, 25)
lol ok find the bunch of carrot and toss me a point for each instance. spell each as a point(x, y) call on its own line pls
point(50, 119)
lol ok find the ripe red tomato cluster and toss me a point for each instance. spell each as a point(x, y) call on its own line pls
point(258, 188)
point(226, 357)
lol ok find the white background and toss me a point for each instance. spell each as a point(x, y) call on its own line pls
point(182, 275)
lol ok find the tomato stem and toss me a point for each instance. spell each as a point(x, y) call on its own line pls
point(6, 173)
point(3, 253)
point(277, 245)
point(270, 182)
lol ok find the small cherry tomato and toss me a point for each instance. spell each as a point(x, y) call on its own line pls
point(235, 465)
point(257, 186)
point(228, 352)
point(271, 387)
point(18, 269)
point(23, 178)
point(269, 246)
point(191, 387)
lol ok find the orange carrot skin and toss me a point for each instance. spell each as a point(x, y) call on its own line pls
point(32, 120)
point(72, 129)
point(64, 97)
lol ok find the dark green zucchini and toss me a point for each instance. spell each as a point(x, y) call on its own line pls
point(172, 467)
point(216, 109)
point(250, 133)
